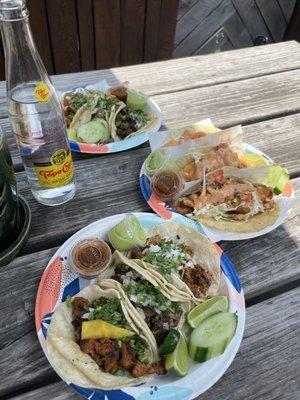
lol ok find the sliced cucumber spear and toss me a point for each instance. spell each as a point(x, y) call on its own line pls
point(211, 338)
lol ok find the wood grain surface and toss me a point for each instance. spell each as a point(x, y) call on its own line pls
point(257, 87)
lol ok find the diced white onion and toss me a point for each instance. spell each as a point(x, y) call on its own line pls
point(154, 248)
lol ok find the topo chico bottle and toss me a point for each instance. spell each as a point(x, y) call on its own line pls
point(35, 112)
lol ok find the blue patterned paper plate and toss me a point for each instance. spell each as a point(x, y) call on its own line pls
point(59, 281)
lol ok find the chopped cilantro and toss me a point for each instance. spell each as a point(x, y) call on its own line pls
point(109, 310)
point(78, 100)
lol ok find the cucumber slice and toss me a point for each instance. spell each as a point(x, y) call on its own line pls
point(211, 338)
point(206, 309)
point(170, 343)
point(94, 131)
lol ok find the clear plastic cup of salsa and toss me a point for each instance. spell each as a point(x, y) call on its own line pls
point(90, 257)
point(166, 184)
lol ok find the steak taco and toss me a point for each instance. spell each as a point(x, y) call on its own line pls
point(182, 261)
point(154, 308)
point(93, 341)
point(231, 199)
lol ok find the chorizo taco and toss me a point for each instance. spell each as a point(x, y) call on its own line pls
point(233, 200)
point(93, 341)
point(155, 308)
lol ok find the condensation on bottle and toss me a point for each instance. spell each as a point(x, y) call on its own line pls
point(35, 112)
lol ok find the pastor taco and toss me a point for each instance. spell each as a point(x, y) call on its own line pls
point(231, 199)
point(94, 342)
point(156, 309)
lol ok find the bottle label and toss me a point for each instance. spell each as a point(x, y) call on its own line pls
point(57, 172)
point(42, 92)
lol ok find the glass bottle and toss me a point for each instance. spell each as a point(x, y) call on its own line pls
point(35, 112)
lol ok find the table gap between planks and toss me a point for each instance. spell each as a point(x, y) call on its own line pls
point(257, 87)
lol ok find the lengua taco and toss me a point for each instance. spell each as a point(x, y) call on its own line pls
point(183, 262)
point(93, 341)
point(155, 308)
point(233, 200)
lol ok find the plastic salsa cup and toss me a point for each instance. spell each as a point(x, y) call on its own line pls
point(166, 184)
point(89, 257)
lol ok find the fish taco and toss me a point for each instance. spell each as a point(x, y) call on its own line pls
point(233, 200)
point(93, 341)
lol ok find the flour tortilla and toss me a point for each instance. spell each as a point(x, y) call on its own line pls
point(254, 224)
point(73, 365)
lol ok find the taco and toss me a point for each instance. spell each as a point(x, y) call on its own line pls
point(154, 308)
point(182, 262)
point(231, 199)
point(94, 342)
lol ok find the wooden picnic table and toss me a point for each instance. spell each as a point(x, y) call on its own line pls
point(258, 87)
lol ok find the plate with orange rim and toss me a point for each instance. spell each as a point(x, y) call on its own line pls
point(151, 108)
point(286, 200)
point(60, 281)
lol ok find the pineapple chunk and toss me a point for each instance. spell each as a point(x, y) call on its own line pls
point(98, 329)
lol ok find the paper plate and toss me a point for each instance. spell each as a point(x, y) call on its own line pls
point(59, 281)
point(124, 144)
point(163, 210)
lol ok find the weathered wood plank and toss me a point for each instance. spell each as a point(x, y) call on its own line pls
point(237, 33)
point(205, 29)
point(245, 101)
point(107, 33)
point(277, 137)
point(63, 33)
point(190, 20)
point(287, 7)
point(167, 27)
point(184, 6)
point(152, 39)
point(268, 357)
point(219, 42)
point(263, 264)
point(39, 26)
point(185, 73)
point(274, 18)
point(86, 34)
point(252, 18)
point(132, 28)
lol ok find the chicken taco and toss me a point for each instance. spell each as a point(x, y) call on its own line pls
point(155, 308)
point(231, 199)
point(93, 341)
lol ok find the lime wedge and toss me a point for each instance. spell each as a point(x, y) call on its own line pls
point(178, 361)
point(253, 160)
point(277, 178)
point(127, 234)
point(136, 100)
point(72, 135)
point(154, 161)
point(206, 309)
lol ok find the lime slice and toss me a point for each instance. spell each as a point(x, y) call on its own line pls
point(206, 309)
point(178, 361)
point(253, 160)
point(127, 234)
point(154, 162)
point(277, 178)
point(169, 344)
point(136, 100)
point(72, 135)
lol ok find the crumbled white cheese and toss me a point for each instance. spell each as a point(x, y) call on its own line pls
point(154, 248)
